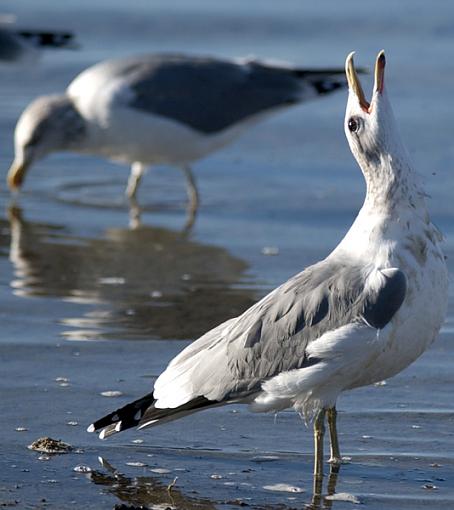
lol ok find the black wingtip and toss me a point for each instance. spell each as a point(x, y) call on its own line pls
point(123, 418)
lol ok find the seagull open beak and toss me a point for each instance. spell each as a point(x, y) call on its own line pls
point(16, 175)
point(354, 83)
point(380, 72)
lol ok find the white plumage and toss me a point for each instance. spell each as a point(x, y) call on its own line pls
point(361, 315)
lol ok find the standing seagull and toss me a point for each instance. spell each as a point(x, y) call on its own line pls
point(359, 316)
point(160, 109)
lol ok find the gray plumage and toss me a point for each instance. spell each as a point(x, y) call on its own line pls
point(271, 337)
point(210, 94)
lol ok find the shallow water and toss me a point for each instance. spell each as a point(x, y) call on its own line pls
point(90, 305)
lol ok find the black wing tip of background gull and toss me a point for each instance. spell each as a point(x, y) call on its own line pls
point(324, 81)
point(48, 39)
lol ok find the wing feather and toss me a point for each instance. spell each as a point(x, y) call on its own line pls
point(232, 361)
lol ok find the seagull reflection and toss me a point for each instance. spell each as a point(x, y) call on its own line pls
point(145, 491)
point(135, 215)
point(150, 492)
point(145, 283)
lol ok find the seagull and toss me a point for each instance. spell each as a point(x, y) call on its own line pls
point(161, 109)
point(23, 44)
point(359, 316)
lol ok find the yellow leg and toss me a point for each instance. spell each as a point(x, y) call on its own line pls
point(319, 431)
point(192, 191)
point(335, 457)
point(137, 171)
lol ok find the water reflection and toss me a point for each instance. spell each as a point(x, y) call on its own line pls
point(150, 492)
point(140, 283)
point(145, 491)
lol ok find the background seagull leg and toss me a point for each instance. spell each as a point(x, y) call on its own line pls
point(137, 171)
point(192, 191)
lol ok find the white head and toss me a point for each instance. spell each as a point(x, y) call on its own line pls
point(373, 136)
point(48, 124)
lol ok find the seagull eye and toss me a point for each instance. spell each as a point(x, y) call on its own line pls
point(353, 125)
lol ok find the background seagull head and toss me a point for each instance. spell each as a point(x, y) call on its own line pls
point(373, 135)
point(48, 124)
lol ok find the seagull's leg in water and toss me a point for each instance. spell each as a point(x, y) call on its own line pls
point(335, 457)
point(135, 214)
point(319, 432)
point(137, 171)
point(192, 191)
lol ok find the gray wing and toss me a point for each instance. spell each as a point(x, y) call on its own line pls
point(210, 95)
point(233, 360)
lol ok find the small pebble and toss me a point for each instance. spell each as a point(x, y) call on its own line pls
point(111, 393)
point(270, 250)
point(343, 496)
point(112, 280)
point(283, 487)
point(265, 458)
point(82, 468)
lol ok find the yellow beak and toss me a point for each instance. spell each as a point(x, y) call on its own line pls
point(380, 72)
point(354, 83)
point(16, 175)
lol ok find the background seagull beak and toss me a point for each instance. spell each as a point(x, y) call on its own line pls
point(380, 71)
point(16, 175)
point(354, 83)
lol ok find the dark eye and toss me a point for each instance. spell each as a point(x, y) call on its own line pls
point(353, 125)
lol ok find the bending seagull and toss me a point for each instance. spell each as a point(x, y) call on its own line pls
point(160, 109)
point(357, 317)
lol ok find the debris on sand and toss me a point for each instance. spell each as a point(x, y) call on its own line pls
point(82, 468)
point(283, 487)
point(49, 445)
point(343, 496)
point(111, 393)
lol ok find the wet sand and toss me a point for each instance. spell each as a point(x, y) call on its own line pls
point(90, 305)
